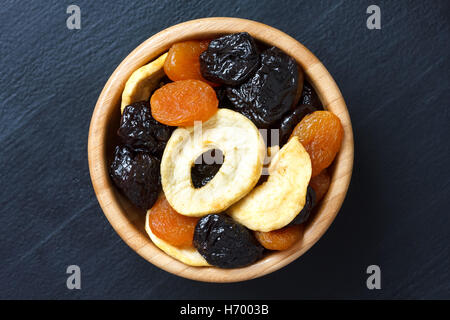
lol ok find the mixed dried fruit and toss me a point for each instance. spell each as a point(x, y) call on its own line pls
point(182, 62)
point(236, 177)
point(208, 202)
point(273, 204)
point(143, 81)
point(291, 119)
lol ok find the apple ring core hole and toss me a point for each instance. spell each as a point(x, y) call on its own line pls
point(206, 167)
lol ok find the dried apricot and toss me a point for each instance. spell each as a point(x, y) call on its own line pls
point(180, 103)
point(320, 184)
point(183, 61)
point(280, 239)
point(321, 134)
point(169, 225)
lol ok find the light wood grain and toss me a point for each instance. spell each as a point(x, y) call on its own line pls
point(129, 221)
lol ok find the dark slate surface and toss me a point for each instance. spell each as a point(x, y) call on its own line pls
point(396, 84)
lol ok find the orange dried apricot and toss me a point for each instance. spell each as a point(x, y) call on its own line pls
point(280, 239)
point(180, 103)
point(183, 61)
point(321, 134)
point(320, 184)
point(169, 225)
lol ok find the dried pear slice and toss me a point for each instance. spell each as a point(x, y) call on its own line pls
point(143, 81)
point(187, 255)
point(243, 149)
point(275, 203)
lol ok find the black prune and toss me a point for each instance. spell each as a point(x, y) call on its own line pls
point(139, 130)
point(137, 175)
point(309, 96)
point(309, 205)
point(270, 92)
point(225, 243)
point(229, 59)
point(291, 119)
point(221, 93)
point(202, 172)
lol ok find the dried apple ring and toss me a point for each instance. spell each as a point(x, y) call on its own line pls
point(142, 82)
point(275, 203)
point(243, 150)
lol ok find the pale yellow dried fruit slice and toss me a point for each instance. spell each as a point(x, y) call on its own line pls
point(187, 255)
point(275, 203)
point(243, 150)
point(270, 154)
point(143, 81)
point(273, 150)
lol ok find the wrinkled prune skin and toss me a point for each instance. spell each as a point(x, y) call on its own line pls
point(309, 96)
point(139, 130)
point(270, 92)
point(202, 173)
point(225, 243)
point(307, 209)
point(137, 175)
point(291, 119)
point(221, 93)
point(230, 59)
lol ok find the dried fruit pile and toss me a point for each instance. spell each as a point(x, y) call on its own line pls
point(207, 200)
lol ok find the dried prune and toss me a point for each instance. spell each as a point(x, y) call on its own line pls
point(202, 172)
point(229, 59)
point(139, 130)
point(309, 205)
point(225, 243)
point(137, 175)
point(221, 93)
point(291, 119)
point(270, 92)
point(309, 96)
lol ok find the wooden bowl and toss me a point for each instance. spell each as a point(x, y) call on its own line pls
point(128, 221)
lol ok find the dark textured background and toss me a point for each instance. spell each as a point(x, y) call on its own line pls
point(396, 85)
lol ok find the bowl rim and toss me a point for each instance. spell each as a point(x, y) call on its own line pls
point(116, 210)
